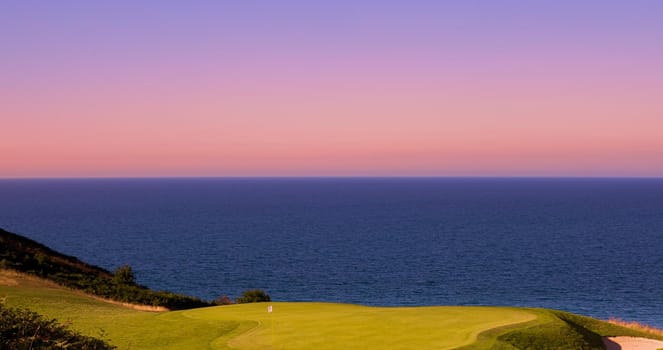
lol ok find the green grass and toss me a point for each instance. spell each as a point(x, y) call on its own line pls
point(334, 326)
point(321, 326)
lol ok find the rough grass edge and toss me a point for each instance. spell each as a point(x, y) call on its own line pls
point(489, 337)
point(636, 326)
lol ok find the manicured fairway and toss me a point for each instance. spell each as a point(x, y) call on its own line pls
point(250, 326)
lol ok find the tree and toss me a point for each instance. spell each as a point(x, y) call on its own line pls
point(253, 296)
point(124, 275)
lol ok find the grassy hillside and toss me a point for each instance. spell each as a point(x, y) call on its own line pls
point(309, 325)
point(125, 327)
point(25, 255)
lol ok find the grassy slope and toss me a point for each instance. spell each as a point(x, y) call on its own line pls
point(23, 254)
point(124, 327)
point(553, 329)
point(309, 325)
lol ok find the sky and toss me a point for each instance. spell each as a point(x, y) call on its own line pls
point(331, 88)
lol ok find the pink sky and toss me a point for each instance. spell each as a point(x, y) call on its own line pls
point(391, 93)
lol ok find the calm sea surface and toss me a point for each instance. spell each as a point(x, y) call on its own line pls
point(592, 246)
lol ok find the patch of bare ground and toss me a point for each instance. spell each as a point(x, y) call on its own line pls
point(15, 278)
point(6, 281)
point(138, 307)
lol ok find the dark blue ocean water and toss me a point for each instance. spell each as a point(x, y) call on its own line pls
point(592, 246)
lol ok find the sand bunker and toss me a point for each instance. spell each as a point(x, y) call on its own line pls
point(632, 343)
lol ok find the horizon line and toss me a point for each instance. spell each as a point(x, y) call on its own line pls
point(333, 177)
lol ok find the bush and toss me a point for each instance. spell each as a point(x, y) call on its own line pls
point(253, 296)
point(24, 329)
point(124, 275)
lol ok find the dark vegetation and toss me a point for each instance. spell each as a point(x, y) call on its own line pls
point(561, 331)
point(248, 296)
point(25, 255)
point(253, 296)
point(223, 300)
point(22, 329)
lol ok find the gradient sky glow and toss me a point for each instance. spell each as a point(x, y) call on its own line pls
point(331, 88)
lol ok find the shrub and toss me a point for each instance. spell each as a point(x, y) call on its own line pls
point(124, 275)
point(253, 296)
point(24, 329)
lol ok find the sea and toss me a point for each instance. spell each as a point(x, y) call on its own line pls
point(592, 246)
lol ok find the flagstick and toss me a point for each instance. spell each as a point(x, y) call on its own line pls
point(271, 323)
